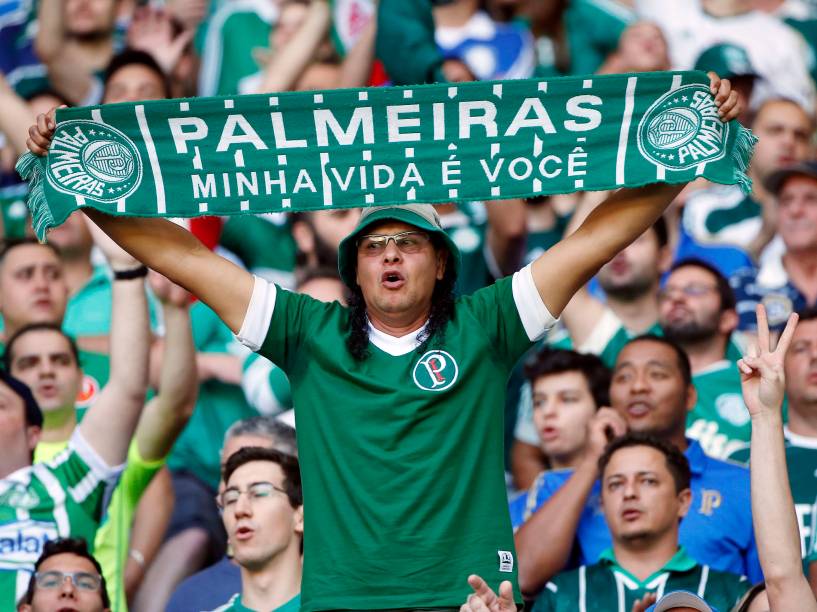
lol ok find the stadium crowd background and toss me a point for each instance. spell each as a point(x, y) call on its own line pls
point(694, 278)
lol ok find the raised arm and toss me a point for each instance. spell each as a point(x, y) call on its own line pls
point(773, 516)
point(544, 542)
point(614, 224)
point(289, 63)
point(109, 424)
point(167, 248)
point(16, 114)
point(507, 233)
point(166, 414)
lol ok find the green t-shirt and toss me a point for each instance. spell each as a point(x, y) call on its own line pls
point(264, 244)
point(219, 404)
point(401, 454)
point(606, 340)
point(14, 210)
point(58, 499)
point(112, 541)
point(801, 464)
point(235, 605)
point(719, 420)
point(593, 29)
point(607, 587)
point(88, 312)
point(237, 35)
point(266, 387)
point(722, 214)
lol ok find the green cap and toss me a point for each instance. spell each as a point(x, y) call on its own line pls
point(421, 216)
point(727, 61)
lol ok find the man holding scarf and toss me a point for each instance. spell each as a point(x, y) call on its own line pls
point(399, 397)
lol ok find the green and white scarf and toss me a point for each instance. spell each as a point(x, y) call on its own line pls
point(367, 147)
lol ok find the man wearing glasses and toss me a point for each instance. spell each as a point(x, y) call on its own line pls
point(262, 509)
point(400, 397)
point(66, 577)
point(696, 309)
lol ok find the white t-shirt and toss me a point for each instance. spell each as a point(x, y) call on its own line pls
point(778, 53)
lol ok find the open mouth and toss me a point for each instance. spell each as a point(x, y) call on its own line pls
point(392, 279)
point(244, 533)
point(631, 514)
point(549, 433)
point(638, 409)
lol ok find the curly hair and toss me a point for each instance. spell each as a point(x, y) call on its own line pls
point(442, 309)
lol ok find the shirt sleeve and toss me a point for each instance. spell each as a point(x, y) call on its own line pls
point(259, 314)
point(535, 317)
point(84, 474)
point(525, 431)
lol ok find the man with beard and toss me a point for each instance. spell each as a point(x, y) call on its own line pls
point(277, 246)
point(697, 311)
point(630, 282)
point(651, 392)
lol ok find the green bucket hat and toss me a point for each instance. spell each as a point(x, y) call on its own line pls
point(727, 61)
point(421, 216)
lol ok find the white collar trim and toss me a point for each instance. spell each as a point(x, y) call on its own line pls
point(395, 345)
point(798, 440)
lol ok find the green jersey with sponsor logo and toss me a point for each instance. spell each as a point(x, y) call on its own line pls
point(608, 587)
point(719, 420)
point(235, 605)
point(402, 453)
point(58, 499)
point(801, 464)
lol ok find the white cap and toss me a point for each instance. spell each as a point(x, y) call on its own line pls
point(681, 599)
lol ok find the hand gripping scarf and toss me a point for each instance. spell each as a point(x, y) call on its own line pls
point(395, 145)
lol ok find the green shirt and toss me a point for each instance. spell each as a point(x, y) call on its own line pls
point(264, 244)
point(88, 312)
point(606, 340)
point(112, 541)
point(219, 404)
point(722, 214)
point(593, 29)
point(608, 587)
point(719, 420)
point(235, 605)
point(266, 387)
point(401, 454)
point(237, 36)
point(801, 464)
point(58, 499)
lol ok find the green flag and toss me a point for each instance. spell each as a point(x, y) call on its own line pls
point(367, 147)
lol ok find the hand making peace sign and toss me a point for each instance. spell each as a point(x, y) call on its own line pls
point(761, 370)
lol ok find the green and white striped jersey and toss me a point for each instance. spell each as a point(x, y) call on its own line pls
point(64, 497)
point(607, 587)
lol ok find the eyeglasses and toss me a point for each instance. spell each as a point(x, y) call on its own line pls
point(84, 581)
point(406, 242)
point(691, 290)
point(256, 491)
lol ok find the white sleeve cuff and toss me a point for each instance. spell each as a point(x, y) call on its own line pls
point(536, 319)
point(259, 314)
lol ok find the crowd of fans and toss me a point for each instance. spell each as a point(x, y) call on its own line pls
point(632, 414)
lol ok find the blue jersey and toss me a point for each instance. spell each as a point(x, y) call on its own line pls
point(780, 298)
point(717, 531)
point(208, 589)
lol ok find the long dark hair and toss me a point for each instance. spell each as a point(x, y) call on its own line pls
point(442, 309)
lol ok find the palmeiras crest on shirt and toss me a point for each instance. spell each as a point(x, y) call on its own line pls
point(682, 129)
point(93, 160)
point(435, 371)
